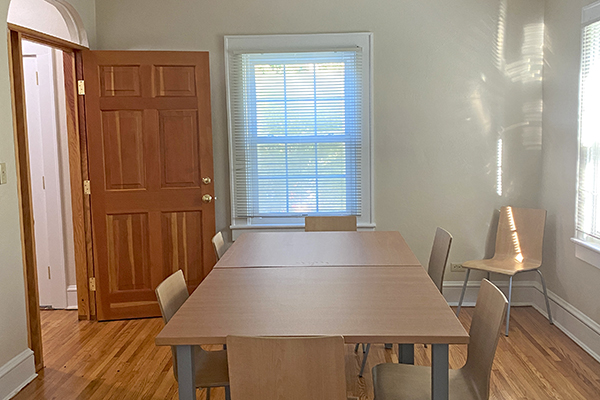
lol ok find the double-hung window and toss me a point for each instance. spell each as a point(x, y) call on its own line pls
point(299, 128)
point(588, 179)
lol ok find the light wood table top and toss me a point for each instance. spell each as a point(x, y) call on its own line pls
point(363, 304)
point(301, 249)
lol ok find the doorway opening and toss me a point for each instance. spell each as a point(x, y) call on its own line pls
point(45, 104)
point(45, 40)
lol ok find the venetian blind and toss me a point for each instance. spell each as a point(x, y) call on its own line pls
point(588, 200)
point(297, 132)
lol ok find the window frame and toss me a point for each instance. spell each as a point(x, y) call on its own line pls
point(305, 43)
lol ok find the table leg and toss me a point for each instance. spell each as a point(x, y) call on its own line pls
point(185, 372)
point(439, 372)
point(406, 353)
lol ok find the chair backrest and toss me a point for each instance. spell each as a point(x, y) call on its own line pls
point(520, 234)
point(335, 223)
point(171, 294)
point(486, 323)
point(218, 245)
point(439, 256)
point(286, 368)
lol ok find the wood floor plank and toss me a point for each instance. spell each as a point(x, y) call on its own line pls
point(118, 360)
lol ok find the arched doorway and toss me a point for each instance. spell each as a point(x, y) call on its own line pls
point(56, 18)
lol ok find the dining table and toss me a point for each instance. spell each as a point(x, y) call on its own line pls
point(365, 286)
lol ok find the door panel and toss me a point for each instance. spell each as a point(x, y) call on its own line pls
point(128, 252)
point(181, 244)
point(120, 80)
point(123, 149)
point(150, 145)
point(174, 81)
point(180, 152)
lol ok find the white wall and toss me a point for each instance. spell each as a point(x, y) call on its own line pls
point(451, 78)
point(575, 281)
point(13, 329)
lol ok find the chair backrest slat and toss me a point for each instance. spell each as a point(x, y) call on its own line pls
point(439, 256)
point(488, 317)
point(286, 368)
point(332, 223)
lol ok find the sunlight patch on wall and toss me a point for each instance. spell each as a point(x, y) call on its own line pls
point(499, 168)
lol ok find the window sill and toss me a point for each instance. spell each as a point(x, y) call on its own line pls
point(587, 252)
point(237, 230)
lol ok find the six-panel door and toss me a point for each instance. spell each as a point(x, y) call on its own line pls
point(150, 146)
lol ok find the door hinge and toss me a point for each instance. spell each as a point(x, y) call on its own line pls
point(87, 187)
point(92, 284)
point(81, 87)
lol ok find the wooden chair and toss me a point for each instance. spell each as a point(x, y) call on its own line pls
point(471, 382)
point(436, 269)
point(519, 241)
point(331, 224)
point(219, 245)
point(439, 256)
point(211, 366)
point(291, 368)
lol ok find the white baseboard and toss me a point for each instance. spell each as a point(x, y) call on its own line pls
point(521, 294)
point(16, 374)
point(72, 297)
point(579, 327)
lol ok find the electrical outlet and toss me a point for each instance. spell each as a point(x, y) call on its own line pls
point(456, 267)
point(2, 173)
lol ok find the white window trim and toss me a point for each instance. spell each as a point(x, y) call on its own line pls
point(303, 42)
point(590, 13)
point(587, 250)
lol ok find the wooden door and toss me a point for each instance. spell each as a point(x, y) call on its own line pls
point(150, 148)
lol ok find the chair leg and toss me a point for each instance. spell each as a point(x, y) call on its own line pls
point(207, 393)
point(364, 361)
point(356, 347)
point(489, 275)
point(462, 294)
point(509, 299)
point(227, 393)
point(546, 296)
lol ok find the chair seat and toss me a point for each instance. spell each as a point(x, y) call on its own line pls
point(504, 265)
point(402, 382)
point(211, 368)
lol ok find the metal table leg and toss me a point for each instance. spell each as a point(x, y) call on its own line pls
point(406, 353)
point(185, 372)
point(439, 372)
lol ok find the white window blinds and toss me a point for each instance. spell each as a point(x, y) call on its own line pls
point(588, 199)
point(296, 129)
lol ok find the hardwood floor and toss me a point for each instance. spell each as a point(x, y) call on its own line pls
point(118, 360)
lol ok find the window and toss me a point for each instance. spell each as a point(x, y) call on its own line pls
point(588, 179)
point(299, 127)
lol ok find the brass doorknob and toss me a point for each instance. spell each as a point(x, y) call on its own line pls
point(207, 198)
point(206, 180)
